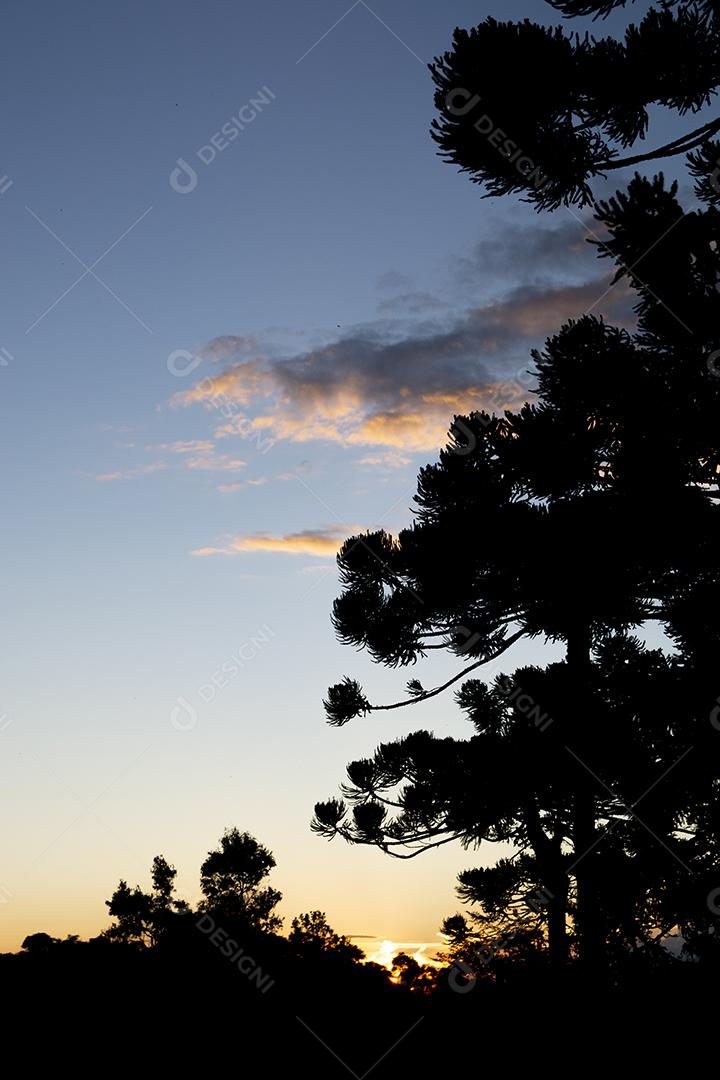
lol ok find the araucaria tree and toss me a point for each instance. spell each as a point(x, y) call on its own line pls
point(585, 518)
point(533, 110)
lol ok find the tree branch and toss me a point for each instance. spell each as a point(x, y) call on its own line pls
point(678, 146)
point(461, 675)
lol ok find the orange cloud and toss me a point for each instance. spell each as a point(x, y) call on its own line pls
point(186, 446)
point(389, 389)
point(322, 543)
point(539, 314)
point(215, 463)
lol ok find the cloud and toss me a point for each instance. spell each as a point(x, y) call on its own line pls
point(215, 463)
point(130, 474)
point(302, 469)
point(412, 303)
point(385, 951)
point(538, 313)
point(549, 252)
point(392, 281)
point(241, 485)
point(384, 386)
point(227, 345)
point(394, 384)
point(322, 543)
point(387, 459)
point(185, 446)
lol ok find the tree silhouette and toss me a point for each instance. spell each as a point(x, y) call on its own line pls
point(230, 879)
point(558, 522)
point(531, 110)
point(311, 936)
point(410, 973)
point(142, 918)
point(38, 943)
point(163, 879)
point(133, 911)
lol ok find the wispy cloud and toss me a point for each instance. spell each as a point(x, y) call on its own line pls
point(241, 485)
point(186, 446)
point(130, 474)
point(412, 303)
point(215, 463)
point(220, 348)
point(302, 469)
point(387, 459)
point(322, 543)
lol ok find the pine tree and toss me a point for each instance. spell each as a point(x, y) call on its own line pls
point(536, 111)
point(586, 515)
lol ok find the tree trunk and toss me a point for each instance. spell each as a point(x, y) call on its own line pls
point(588, 918)
point(548, 852)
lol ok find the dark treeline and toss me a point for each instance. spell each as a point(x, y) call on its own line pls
point(220, 982)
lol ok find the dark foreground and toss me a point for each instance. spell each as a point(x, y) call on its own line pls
point(249, 1005)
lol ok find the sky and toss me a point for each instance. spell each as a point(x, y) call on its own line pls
point(244, 298)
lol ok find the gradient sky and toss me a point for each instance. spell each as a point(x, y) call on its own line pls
point(346, 291)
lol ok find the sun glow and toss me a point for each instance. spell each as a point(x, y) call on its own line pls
point(384, 952)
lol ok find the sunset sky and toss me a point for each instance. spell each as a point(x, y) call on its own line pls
point(210, 377)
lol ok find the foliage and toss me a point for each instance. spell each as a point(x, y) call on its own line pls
point(536, 111)
point(559, 522)
point(230, 879)
point(311, 935)
point(142, 918)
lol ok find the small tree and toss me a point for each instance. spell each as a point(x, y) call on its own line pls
point(410, 973)
point(230, 879)
point(311, 935)
point(163, 879)
point(39, 943)
point(143, 917)
point(133, 911)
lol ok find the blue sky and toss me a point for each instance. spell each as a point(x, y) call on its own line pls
point(326, 240)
